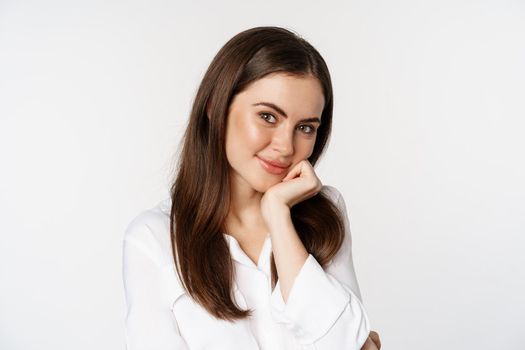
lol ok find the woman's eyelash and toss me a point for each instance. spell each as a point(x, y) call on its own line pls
point(313, 128)
point(264, 113)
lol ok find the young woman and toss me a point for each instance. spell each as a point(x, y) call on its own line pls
point(251, 250)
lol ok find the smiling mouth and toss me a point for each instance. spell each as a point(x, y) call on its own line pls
point(272, 169)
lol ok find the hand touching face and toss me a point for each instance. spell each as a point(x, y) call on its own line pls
point(271, 128)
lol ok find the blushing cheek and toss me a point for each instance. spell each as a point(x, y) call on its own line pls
point(304, 150)
point(312, 145)
point(241, 130)
point(255, 135)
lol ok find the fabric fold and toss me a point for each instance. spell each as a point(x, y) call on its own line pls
point(314, 304)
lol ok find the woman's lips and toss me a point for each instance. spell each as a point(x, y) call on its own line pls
point(272, 169)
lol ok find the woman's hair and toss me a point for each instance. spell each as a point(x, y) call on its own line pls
point(200, 194)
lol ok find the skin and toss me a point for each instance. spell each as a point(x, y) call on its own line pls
point(261, 201)
point(249, 134)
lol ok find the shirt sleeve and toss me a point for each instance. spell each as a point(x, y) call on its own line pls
point(148, 283)
point(324, 306)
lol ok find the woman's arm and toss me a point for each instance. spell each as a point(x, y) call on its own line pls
point(323, 306)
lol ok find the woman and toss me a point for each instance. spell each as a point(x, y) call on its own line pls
point(263, 249)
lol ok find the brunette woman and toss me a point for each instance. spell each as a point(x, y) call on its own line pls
point(250, 250)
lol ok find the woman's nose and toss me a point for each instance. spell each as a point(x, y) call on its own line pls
point(283, 142)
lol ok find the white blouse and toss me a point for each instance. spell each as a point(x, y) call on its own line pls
point(323, 311)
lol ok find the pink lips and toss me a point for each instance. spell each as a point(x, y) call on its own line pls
point(272, 167)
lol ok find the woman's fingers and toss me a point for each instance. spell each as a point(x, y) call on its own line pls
point(375, 338)
point(369, 345)
point(296, 170)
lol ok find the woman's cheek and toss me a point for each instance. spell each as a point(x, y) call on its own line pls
point(258, 134)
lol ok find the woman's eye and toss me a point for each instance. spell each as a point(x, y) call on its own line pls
point(265, 116)
point(306, 128)
point(310, 129)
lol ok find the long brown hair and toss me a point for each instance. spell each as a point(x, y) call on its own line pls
point(200, 193)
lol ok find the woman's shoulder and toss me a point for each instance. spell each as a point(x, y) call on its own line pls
point(332, 193)
point(150, 230)
point(337, 198)
point(147, 250)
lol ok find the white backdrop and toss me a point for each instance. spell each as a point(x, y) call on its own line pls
point(427, 149)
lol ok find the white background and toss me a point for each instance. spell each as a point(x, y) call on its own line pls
point(427, 149)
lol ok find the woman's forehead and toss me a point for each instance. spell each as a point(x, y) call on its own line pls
point(295, 95)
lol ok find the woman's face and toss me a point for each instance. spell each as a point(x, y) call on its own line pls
point(275, 118)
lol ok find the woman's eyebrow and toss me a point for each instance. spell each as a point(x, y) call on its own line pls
point(282, 112)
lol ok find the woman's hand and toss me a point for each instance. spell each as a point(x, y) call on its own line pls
point(299, 184)
point(372, 342)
